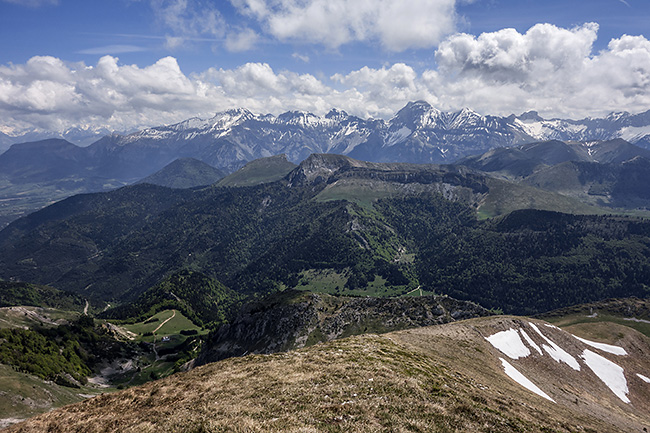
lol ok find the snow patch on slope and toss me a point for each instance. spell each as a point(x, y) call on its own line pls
point(634, 133)
point(643, 378)
point(609, 373)
point(614, 350)
point(522, 380)
point(509, 343)
point(549, 129)
point(398, 136)
point(531, 342)
point(556, 352)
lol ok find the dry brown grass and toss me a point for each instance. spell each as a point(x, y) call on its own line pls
point(439, 379)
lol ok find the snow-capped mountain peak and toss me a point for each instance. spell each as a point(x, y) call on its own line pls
point(416, 115)
point(617, 116)
point(417, 133)
point(335, 114)
point(228, 119)
point(303, 118)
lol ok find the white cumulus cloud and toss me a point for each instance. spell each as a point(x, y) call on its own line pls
point(550, 69)
point(396, 24)
point(547, 68)
point(49, 94)
point(508, 56)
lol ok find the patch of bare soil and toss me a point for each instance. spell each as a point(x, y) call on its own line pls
point(32, 315)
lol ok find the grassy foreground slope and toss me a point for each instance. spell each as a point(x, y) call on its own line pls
point(443, 379)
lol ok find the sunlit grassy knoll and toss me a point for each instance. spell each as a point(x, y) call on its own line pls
point(362, 192)
point(260, 171)
point(630, 312)
point(505, 197)
point(170, 343)
point(322, 280)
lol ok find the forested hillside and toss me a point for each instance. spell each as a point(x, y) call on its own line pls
point(203, 300)
point(332, 225)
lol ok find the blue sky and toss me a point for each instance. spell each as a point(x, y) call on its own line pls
point(124, 64)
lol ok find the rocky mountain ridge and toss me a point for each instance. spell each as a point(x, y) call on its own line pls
point(417, 133)
point(610, 173)
point(293, 320)
point(36, 173)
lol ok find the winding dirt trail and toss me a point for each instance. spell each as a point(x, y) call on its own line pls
point(415, 290)
point(167, 320)
point(155, 350)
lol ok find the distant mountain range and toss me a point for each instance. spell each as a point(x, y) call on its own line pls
point(610, 173)
point(417, 133)
point(34, 174)
point(78, 136)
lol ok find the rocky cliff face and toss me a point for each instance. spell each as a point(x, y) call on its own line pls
point(293, 319)
point(342, 176)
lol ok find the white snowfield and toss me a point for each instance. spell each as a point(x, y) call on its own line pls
point(611, 374)
point(614, 350)
point(522, 380)
point(511, 344)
